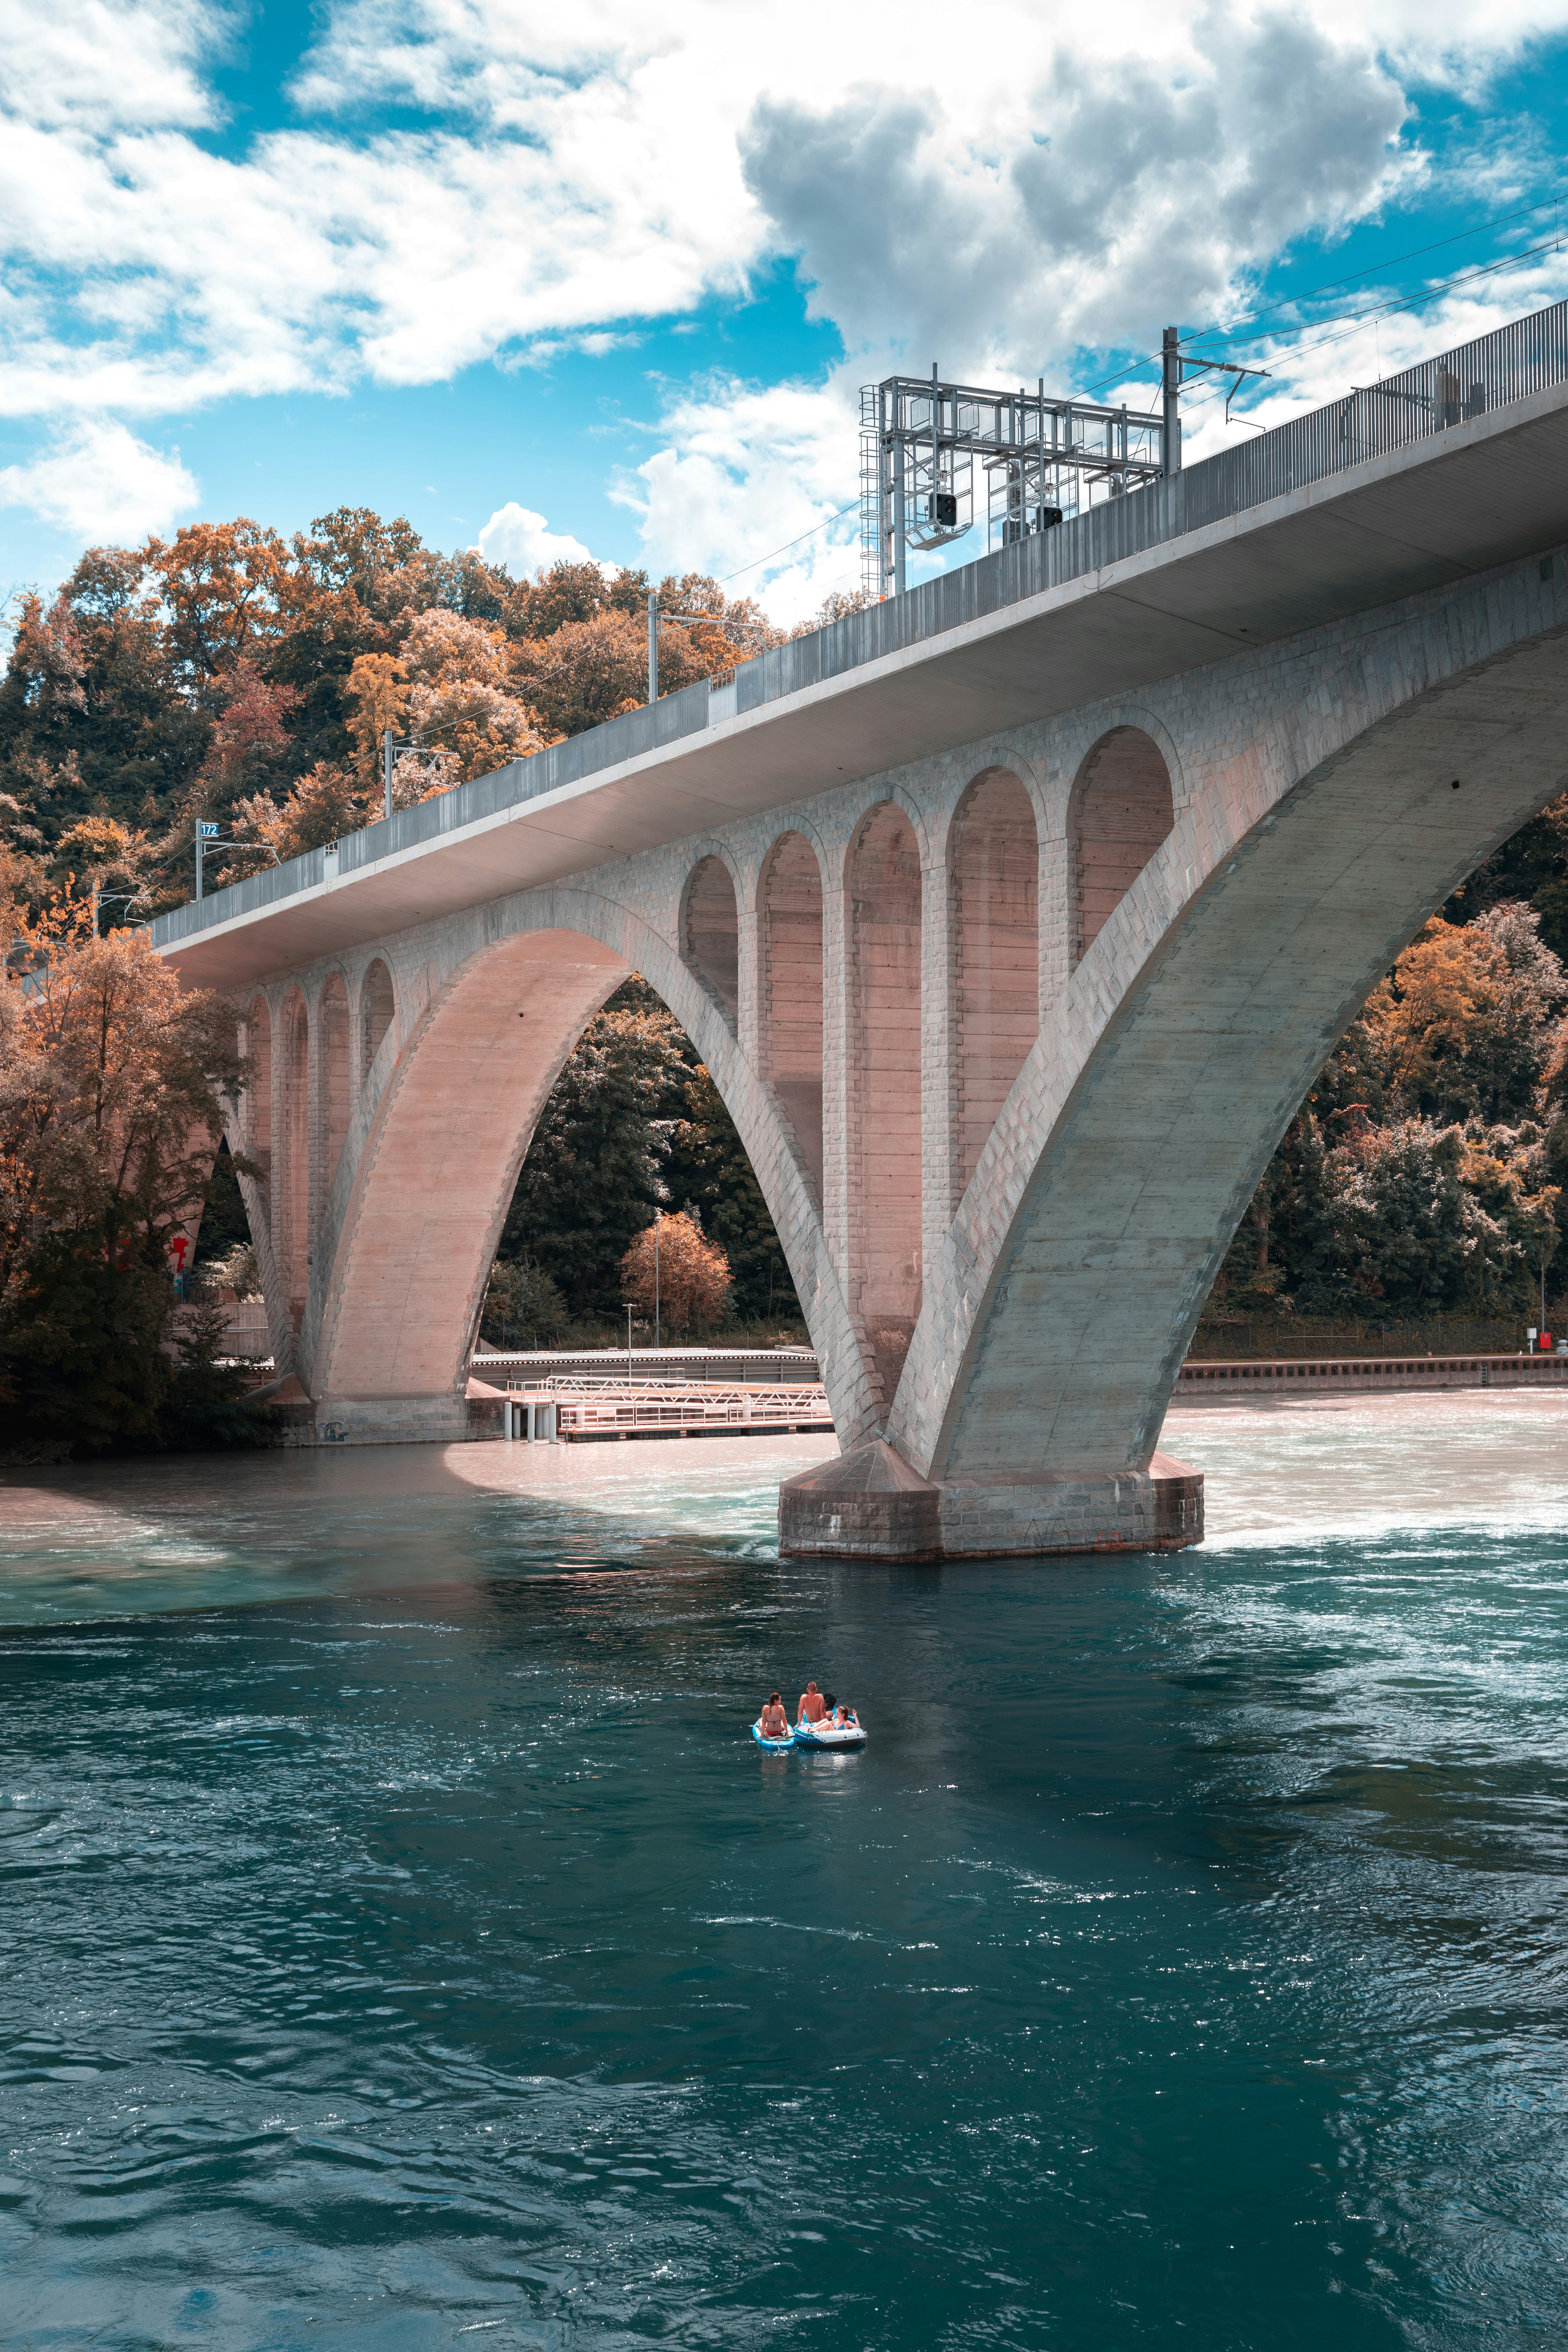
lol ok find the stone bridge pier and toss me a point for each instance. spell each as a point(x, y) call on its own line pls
point(1009, 1031)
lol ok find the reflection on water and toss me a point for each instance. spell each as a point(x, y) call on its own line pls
point(404, 1942)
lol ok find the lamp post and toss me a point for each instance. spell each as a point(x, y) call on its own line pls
point(658, 1217)
point(629, 1306)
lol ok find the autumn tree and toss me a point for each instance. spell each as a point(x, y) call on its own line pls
point(460, 697)
point(1426, 1172)
point(322, 807)
point(223, 585)
point(113, 1082)
point(673, 1267)
point(590, 665)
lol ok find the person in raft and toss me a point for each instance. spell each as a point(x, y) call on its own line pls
point(774, 1723)
point(812, 1706)
point(844, 1716)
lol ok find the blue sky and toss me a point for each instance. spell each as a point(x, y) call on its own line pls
point(607, 277)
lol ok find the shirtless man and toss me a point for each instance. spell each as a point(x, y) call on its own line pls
point(812, 1706)
point(774, 1723)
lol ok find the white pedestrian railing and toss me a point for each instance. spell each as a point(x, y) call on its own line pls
point(587, 1405)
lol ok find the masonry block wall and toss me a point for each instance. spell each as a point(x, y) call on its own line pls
point(1008, 1034)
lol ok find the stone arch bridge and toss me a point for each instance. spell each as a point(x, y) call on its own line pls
point(1013, 919)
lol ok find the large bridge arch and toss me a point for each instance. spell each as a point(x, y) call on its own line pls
point(435, 1176)
point(1128, 1151)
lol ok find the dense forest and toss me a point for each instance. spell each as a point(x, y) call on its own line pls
point(232, 675)
point(228, 675)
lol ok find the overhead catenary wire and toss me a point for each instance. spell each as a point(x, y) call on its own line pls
point(1350, 320)
point(1332, 285)
point(1385, 307)
point(817, 527)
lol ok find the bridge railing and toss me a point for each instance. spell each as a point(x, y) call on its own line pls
point(1372, 420)
point(1368, 421)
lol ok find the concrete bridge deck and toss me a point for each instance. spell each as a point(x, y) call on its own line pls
point(1302, 527)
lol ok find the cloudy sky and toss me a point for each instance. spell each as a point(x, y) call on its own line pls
point(607, 275)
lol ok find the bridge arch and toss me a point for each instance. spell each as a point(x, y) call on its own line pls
point(440, 1163)
point(334, 1081)
point(1133, 1149)
point(257, 1100)
point(885, 892)
point(993, 867)
point(291, 1186)
point(1120, 813)
point(377, 1011)
point(789, 994)
point(710, 933)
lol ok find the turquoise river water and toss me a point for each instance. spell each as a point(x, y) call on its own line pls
point(401, 1941)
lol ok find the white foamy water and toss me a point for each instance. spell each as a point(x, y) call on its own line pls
point(1342, 1467)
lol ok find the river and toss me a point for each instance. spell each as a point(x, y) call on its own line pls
point(403, 1941)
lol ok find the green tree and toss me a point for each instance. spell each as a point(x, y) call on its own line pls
point(523, 1308)
point(593, 1175)
point(708, 1171)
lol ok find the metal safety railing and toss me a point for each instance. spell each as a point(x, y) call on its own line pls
point(1372, 420)
point(590, 1405)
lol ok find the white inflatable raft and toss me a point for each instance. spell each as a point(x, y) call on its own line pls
point(829, 1734)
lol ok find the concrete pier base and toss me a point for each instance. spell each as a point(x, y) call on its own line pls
point(395, 1420)
point(870, 1504)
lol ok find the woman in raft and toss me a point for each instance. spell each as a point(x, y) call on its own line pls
point(774, 1723)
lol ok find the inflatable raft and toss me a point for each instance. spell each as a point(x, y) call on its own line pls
point(774, 1747)
point(829, 1734)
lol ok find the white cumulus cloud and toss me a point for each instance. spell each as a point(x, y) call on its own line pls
point(744, 471)
point(524, 542)
point(98, 481)
point(467, 179)
point(578, 172)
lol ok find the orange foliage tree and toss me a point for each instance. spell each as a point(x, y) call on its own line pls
point(113, 1082)
point(670, 1265)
